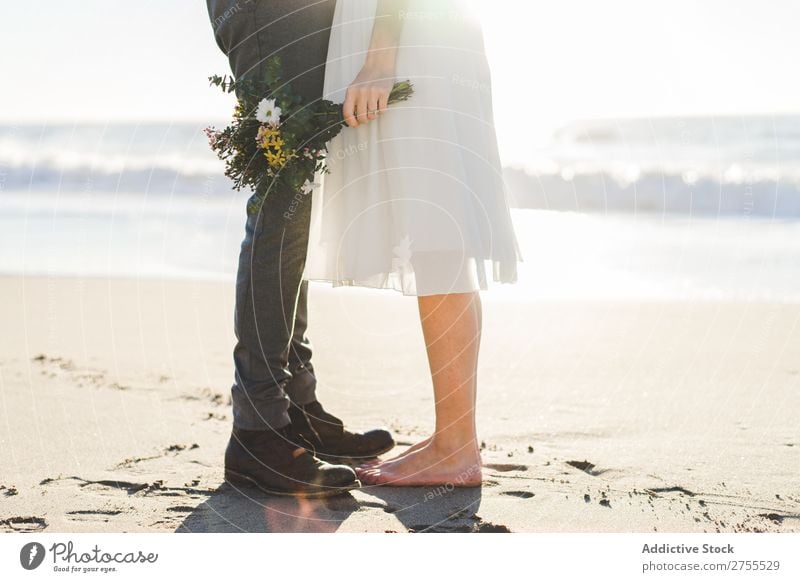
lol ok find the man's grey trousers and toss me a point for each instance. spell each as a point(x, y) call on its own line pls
point(272, 354)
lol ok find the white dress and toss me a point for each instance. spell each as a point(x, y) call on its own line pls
point(415, 200)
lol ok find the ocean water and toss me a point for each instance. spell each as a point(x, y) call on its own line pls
point(733, 166)
point(677, 209)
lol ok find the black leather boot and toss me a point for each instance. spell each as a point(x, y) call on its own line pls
point(276, 464)
point(331, 440)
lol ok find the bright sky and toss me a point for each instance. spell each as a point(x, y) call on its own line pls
point(552, 61)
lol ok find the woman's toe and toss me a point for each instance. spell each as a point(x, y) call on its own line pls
point(365, 473)
point(370, 478)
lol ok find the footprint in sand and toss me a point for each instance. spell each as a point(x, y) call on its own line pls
point(520, 494)
point(93, 515)
point(208, 395)
point(181, 508)
point(673, 489)
point(9, 491)
point(171, 450)
point(56, 366)
point(506, 467)
point(587, 467)
point(95, 512)
point(23, 524)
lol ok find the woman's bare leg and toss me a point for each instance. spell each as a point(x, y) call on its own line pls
point(451, 326)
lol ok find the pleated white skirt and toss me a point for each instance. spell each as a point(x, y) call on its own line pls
point(415, 200)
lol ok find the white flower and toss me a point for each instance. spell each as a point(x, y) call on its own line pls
point(268, 112)
point(308, 187)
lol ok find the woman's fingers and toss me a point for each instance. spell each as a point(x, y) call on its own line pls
point(349, 107)
point(362, 104)
point(373, 104)
point(362, 107)
point(383, 102)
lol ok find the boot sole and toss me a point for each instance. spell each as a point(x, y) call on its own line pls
point(234, 478)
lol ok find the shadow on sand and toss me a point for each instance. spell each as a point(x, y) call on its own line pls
point(432, 509)
point(416, 509)
point(242, 509)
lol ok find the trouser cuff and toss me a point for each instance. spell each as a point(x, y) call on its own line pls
point(302, 388)
point(254, 414)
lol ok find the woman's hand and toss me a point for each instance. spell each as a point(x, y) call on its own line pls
point(368, 95)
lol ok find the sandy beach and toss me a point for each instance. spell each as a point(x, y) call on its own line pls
point(594, 416)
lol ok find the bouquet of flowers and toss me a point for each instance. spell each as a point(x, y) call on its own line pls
point(276, 140)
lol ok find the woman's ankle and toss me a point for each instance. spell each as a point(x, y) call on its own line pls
point(456, 445)
point(462, 458)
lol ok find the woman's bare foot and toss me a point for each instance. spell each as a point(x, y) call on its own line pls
point(428, 465)
point(411, 449)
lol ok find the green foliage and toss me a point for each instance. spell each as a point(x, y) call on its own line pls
point(304, 128)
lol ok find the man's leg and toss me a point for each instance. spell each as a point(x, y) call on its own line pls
point(272, 258)
point(268, 284)
point(301, 389)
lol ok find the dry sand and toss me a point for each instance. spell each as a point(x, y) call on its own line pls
point(601, 417)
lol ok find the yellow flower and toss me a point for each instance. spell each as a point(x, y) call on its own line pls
point(267, 137)
point(276, 158)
